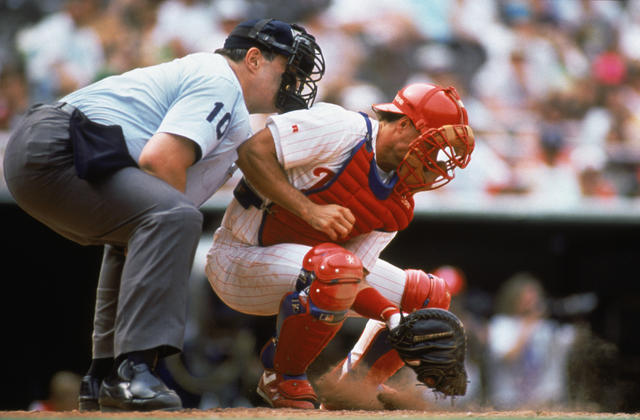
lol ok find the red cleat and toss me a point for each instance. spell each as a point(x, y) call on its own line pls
point(286, 392)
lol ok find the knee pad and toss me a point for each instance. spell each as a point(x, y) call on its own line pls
point(337, 277)
point(422, 290)
point(308, 320)
point(310, 260)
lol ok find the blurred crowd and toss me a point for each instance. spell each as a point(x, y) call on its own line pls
point(529, 350)
point(552, 87)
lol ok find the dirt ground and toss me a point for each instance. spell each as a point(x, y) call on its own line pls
point(408, 401)
point(267, 413)
point(363, 404)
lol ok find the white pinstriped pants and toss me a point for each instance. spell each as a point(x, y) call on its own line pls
point(253, 279)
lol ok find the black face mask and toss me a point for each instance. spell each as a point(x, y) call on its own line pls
point(305, 65)
point(305, 68)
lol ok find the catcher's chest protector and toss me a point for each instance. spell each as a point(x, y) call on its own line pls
point(375, 205)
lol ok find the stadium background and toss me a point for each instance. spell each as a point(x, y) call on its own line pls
point(540, 78)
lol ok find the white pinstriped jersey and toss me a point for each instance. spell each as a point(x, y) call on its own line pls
point(309, 144)
point(253, 279)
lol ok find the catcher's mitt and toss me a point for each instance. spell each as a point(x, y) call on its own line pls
point(432, 342)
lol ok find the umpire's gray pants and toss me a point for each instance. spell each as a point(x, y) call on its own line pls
point(149, 229)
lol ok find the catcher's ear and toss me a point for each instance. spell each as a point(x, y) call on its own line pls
point(405, 130)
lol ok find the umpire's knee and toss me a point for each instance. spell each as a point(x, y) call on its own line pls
point(188, 217)
point(180, 218)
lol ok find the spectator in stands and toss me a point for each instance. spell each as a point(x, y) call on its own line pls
point(14, 94)
point(125, 29)
point(527, 351)
point(185, 26)
point(62, 52)
point(589, 162)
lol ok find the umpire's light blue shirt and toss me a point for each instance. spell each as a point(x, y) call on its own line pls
point(197, 96)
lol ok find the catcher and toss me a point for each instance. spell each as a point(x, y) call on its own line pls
point(265, 260)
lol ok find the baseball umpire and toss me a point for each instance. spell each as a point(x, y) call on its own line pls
point(126, 162)
point(265, 260)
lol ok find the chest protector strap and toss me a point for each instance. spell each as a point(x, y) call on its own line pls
point(357, 186)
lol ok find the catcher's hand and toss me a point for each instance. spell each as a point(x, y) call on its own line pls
point(432, 342)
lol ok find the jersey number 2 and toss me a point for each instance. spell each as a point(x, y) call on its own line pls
point(223, 124)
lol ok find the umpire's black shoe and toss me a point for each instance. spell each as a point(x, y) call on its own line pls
point(89, 393)
point(136, 388)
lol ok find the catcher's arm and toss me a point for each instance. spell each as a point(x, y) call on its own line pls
point(259, 163)
point(432, 342)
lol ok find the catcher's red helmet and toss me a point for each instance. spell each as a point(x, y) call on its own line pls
point(445, 140)
point(427, 106)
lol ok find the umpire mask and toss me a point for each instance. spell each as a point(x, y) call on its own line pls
point(305, 65)
point(305, 68)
